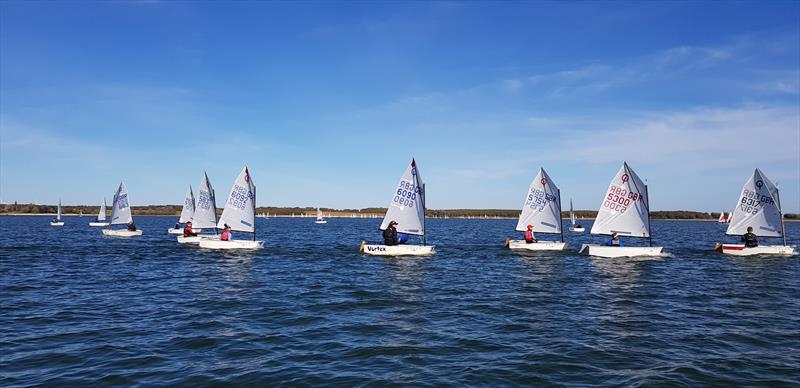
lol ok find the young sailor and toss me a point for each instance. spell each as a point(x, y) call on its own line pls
point(226, 234)
point(749, 239)
point(614, 241)
point(131, 226)
point(390, 234)
point(529, 237)
point(188, 231)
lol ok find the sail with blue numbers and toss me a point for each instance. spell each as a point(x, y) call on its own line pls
point(759, 207)
point(205, 206)
point(121, 208)
point(240, 210)
point(542, 206)
point(188, 207)
point(407, 206)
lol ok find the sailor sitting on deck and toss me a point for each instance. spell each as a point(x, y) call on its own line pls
point(226, 234)
point(177, 225)
point(749, 239)
point(131, 226)
point(614, 241)
point(529, 237)
point(390, 234)
point(188, 231)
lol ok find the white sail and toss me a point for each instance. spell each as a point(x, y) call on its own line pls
point(101, 215)
point(730, 217)
point(407, 207)
point(759, 207)
point(205, 210)
point(121, 209)
point(542, 207)
point(625, 207)
point(58, 216)
point(319, 215)
point(571, 213)
point(240, 209)
point(188, 207)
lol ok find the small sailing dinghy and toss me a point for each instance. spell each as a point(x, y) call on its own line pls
point(320, 219)
point(626, 211)
point(759, 207)
point(407, 208)
point(240, 214)
point(542, 210)
point(575, 227)
point(57, 221)
point(205, 214)
point(121, 214)
point(101, 216)
point(722, 218)
point(187, 212)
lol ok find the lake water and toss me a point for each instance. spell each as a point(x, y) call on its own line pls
point(78, 308)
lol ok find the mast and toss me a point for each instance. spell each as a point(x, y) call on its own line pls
point(424, 208)
point(560, 221)
point(254, 203)
point(780, 212)
point(649, 229)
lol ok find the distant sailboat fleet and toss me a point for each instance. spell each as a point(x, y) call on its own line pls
point(624, 212)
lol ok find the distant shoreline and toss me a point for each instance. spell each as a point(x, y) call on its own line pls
point(370, 216)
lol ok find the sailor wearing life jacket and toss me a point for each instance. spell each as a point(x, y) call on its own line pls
point(188, 231)
point(529, 238)
point(390, 234)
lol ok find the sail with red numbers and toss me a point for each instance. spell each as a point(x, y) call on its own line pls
point(758, 207)
point(625, 208)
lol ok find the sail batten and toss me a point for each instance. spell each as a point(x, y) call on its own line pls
point(757, 207)
point(542, 207)
point(625, 207)
point(407, 206)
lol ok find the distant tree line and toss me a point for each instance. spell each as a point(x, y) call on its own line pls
point(174, 210)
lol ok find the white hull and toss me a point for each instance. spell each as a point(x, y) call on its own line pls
point(60, 223)
point(99, 223)
point(612, 251)
point(396, 250)
point(231, 244)
point(320, 222)
point(196, 239)
point(121, 233)
point(521, 245)
point(740, 250)
point(577, 229)
point(180, 231)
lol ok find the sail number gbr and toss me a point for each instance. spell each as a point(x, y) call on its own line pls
point(752, 202)
point(239, 197)
point(618, 199)
point(406, 194)
point(122, 201)
point(537, 199)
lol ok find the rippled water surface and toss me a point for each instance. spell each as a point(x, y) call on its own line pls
point(80, 308)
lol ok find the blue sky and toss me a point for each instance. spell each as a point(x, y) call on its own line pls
point(328, 101)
